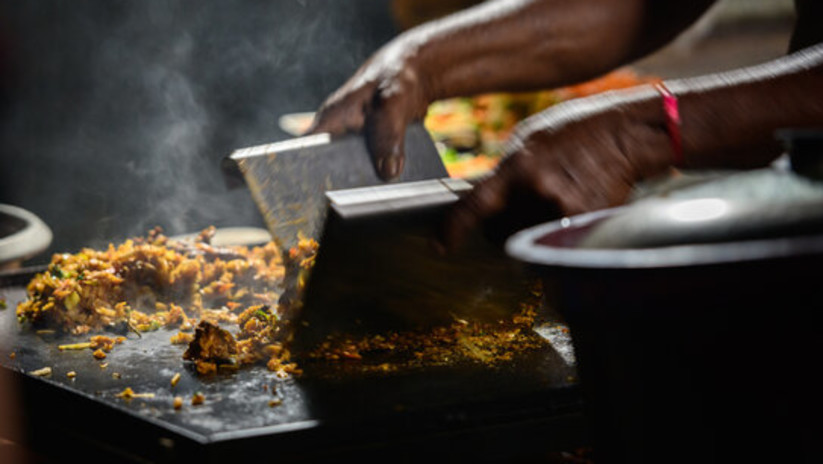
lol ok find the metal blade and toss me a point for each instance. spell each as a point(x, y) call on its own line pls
point(376, 271)
point(288, 180)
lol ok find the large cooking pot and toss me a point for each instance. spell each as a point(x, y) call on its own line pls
point(23, 235)
point(696, 318)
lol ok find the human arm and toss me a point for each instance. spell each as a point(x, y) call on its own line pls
point(587, 154)
point(503, 45)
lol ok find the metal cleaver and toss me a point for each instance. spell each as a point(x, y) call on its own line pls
point(288, 180)
point(375, 270)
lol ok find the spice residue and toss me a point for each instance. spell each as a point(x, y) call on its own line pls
point(461, 342)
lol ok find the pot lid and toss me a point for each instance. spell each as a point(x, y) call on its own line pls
point(22, 234)
point(759, 204)
point(783, 200)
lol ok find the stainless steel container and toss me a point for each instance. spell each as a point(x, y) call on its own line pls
point(22, 236)
point(696, 318)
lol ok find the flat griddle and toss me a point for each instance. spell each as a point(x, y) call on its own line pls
point(527, 407)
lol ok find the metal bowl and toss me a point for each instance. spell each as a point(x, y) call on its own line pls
point(22, 236)
point(693, 352)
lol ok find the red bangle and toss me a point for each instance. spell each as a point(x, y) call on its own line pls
point(672, 122)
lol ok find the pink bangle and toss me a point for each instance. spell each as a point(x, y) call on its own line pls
point(672, 110)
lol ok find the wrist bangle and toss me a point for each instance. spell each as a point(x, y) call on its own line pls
point(672, 110)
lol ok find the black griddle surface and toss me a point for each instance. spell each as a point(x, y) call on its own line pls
point(327, 412)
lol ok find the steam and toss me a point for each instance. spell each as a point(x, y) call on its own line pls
point(173, 140)
point(122, 111)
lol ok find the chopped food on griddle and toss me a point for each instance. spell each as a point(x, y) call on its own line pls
point(129, 394)
point(153, 281)
point(101, 345)
point(102, 342)
point(232, 307)
point(211, 346)
point(42, 372)
point(181, 338)
point(74, 346)
point(149, 282)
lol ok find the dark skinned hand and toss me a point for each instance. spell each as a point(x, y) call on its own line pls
point(584, 154)
point(381, 99)
point(575, 157)
point(502, 45)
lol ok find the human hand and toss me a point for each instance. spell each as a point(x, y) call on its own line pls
point(575, 157)
point(381, 99)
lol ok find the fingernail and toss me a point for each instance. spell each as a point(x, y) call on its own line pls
point(393, 167)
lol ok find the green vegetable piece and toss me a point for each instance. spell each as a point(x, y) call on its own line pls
point(57, 272)
point(450, 155)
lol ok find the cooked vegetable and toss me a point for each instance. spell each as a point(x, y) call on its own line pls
point(198, 398)
point(74, 346)
point(42, 372)
point(151, 282)
point(128, 394)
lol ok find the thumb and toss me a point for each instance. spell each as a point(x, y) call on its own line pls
point(385, 137)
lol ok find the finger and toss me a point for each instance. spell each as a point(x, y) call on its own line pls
point(486, 199)
point(385, 136)
point(337, 120)
point(324, 122)
point(340, 115)
point(560, 188)
point(589, 184)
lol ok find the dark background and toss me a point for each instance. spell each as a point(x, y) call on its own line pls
point(114, 115)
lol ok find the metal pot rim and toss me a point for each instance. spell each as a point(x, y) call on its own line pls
point(525, 247)
point(35, 237)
